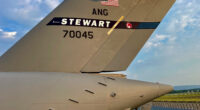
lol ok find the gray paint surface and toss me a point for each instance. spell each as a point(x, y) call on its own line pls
point(42, 91)
point(44, 49)
point(37, 73)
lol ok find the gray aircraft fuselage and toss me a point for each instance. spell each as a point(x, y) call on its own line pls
point(45, 69)
point(65, 91)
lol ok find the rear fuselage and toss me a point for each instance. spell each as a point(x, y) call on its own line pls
point(65, 91)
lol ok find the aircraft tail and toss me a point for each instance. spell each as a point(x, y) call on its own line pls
point(87, 36)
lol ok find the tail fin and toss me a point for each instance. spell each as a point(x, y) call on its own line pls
point(74, 37)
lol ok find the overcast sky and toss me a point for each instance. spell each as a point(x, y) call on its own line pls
point(172, 54)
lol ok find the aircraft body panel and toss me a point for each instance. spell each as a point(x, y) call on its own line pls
point(82, 36)
point(65, 91)
point(74, 37)
point(119, 50)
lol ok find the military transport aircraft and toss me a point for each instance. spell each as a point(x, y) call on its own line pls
point(53, 66)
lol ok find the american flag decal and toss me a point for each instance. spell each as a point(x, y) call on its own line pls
point(110, 3)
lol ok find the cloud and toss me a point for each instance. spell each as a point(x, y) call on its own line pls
point(183, 17)
point(7, 35)
point(179, 1)
point(52, 3)
point(185, 14)
point(172, 54)
point(131, 75)
point(27, 12)
point(140, 61)
point(135, 76)
point(158, 40)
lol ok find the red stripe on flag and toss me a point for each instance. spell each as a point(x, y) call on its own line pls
point(110, 3)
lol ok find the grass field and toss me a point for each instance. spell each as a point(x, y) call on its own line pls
point(180, 97)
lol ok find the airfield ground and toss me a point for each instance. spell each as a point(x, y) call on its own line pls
point(175, 101)
point(180, 97)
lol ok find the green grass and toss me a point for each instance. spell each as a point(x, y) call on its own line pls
point(180, 97)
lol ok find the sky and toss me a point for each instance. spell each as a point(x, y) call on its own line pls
point(171, 55)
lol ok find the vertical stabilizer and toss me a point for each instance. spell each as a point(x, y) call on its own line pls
point(73, 38)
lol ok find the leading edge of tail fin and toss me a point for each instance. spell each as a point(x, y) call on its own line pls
point(74, 37)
